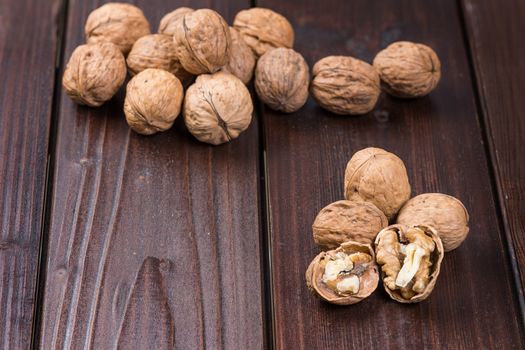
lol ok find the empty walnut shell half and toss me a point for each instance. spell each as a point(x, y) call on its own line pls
point(446, 214)
point(264, 29)
point(118, 23)
point(377, 176)
point(344, 276)
point(94, 73)
point(217, 108)
point(345, 85)
point(408, 69)
point(242, 59)
point(344, 220)
point(410, 261)
point(169, 23)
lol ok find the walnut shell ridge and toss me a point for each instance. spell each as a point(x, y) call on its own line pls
point(217, 108)
point(345, 85)
point(94, 73)
point(169, 23)
point(408, 69)
point(242, 60)
point(119, 23)
point(153, 101)
point(281, 79)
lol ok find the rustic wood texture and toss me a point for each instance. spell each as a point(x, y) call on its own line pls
point(495, 36)
point(474, 304)
point(154, 242)
point(28, 45)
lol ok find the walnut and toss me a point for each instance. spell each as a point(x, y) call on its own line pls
point(121, 24)
point(242, 60)
point(264, 29)
point(446, 214)
point(379, 177)
point(410, 260)
point(345, 85)
point(217, 108)
point(156, 51)
point(281, 79)
point(169, 23)
point(203, 41)
point(153, 101)
point(408, 69)
point(94, 73)
point(344, 220)
point(344, 276)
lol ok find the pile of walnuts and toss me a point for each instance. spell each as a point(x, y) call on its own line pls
point(360, 248)
point(199, 65)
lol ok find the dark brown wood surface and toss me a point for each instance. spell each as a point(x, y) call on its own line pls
point(474, 304)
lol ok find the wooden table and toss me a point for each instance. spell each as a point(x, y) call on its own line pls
point(110, 239)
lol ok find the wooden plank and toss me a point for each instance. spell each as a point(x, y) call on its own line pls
point(497, 51)
point(474, 304)
point(28, 45)
point(154, 241)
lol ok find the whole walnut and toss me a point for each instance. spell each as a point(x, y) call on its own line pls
point(408, 69)
point(264, 29)
point(169, 23)
point(156, 51)
point(379, 177)
point(203, 41)
point(119, 23)
point(153, 101)
point(344, 220)
point(281, 79)
point(242, 60)
point(345, 85)
point(217, 108)
point(94, 73)
point(446, 214)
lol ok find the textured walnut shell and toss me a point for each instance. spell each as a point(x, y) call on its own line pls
point(169, 23)
point(153, 101)
point(281, 80)
point(263, 29)
point(436, 258)
point(379, 177)
point(345, 85)
point(203, 41)
point(242, 60)
point(94, 73)
point(217, 108)
point(156, 51)
point(408, 69)
point(446, 214)
point(119, 23)
point(344, 220)
point(369, 279)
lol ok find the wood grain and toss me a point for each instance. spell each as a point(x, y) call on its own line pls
point(28, 45)
point(474, 305)
point(497, 51)
point(153, 241)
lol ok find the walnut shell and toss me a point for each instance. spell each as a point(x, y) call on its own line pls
point(408, 69)
point(446, 214)
point(344, 220)
point(169, 23)
point(379, 177)
point(94, 73)
point(345, 85)
point(264, 29)
point(242, 60)
point(217, 108)
point(156, 51)
point(119, 23)
point(203, 41)
point(153, 101)
point(366, 272)
point(391, 259)
point(281, 80)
